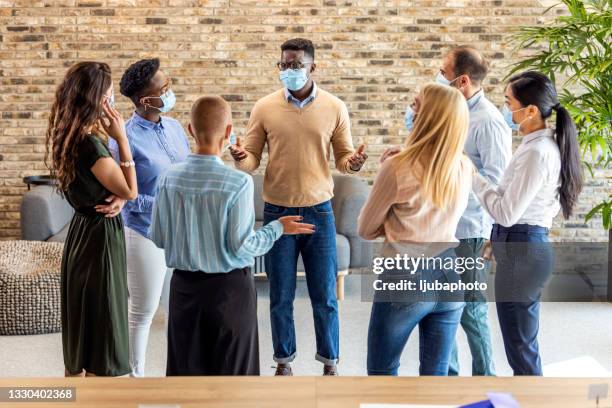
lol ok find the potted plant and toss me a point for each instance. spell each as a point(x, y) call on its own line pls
point(577, 46)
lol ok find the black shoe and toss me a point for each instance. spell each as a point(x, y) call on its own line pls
point(283, 369)
point(330, 370)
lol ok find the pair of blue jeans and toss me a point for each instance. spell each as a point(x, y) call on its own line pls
point(394, 317)
point(320, 265)
point(475, 316)
point(524, 265)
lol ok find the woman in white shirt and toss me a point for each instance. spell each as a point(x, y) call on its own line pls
point(543, 176)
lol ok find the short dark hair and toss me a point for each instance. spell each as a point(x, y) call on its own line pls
point(299, 44)
point(468, 61)
point(137, 77)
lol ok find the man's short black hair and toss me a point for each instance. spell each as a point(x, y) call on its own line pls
point(468, 61)
point(137, 77)
point(299, 44)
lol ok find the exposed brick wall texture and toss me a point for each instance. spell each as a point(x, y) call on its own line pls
point(372, 54)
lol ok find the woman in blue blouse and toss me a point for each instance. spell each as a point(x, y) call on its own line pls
point(156, 142)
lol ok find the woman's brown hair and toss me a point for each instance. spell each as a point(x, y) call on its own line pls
point(75, 112)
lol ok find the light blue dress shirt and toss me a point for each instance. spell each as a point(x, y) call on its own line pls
point(489, 146)
point(155, 147)
point(297, 102)
point(204, 215)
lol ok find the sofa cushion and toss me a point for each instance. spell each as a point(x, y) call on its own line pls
point(60, 236)
point(343, 250)
point(43, 213)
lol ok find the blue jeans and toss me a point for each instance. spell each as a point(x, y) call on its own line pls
point(474, 319)
point(392, 322)
point(320, 263)
point(524, 265)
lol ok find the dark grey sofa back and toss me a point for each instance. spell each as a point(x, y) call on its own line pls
point(44, 213)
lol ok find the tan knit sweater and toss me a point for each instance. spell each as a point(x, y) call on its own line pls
point(299, 144)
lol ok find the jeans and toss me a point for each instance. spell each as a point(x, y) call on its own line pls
point(148, 280)
point(474, 319)
point(392, 322)
point(524, 265)
point(320, 263)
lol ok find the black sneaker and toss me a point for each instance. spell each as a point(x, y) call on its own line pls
point(330, 370)
point(283, 369)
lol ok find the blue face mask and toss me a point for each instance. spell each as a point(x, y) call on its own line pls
point(168, 99)
point(232, 141)
point(441, 79)
point(507, 113)
point(294, 79)
point(409, 118)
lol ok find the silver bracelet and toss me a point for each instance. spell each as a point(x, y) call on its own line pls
point(127, 163)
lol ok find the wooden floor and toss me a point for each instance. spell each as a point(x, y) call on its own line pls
point(311, 392)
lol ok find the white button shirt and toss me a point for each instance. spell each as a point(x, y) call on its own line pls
point(529, 189)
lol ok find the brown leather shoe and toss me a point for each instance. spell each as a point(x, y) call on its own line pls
point(283, 369)
point(330, 370)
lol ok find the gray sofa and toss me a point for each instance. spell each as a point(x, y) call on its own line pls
point(45, 216)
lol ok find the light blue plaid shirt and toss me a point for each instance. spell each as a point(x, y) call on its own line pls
point(489, 146)
point(204, 215)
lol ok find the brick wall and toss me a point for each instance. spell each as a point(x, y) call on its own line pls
point(373, 54)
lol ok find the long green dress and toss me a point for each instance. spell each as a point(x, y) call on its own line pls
point(94, 276)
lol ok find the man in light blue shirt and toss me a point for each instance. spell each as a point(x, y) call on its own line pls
point(203, 217)
point(489, 146)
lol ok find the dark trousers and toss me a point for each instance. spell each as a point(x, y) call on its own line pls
point(212, 324)
point(524, 265)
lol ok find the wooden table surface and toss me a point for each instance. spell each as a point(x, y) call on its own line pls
point(298, 392)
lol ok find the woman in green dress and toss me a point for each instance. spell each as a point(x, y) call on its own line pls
point(93, 277)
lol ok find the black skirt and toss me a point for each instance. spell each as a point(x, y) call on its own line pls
point(212, 324)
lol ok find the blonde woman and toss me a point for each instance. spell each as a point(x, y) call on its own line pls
point(417, 199)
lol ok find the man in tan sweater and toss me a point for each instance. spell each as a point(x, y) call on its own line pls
point(301, 125)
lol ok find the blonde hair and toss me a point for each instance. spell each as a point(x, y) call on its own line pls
point(435, 145)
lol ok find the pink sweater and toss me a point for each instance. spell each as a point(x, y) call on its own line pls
point(397, 209)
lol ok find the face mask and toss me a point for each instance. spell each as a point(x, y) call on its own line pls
point(409, 118)
point(168, 99)
point(111, 100)
point(294, 79)
point(507, 113)
point(111, 103)
point(232, 141)
point(441, 79)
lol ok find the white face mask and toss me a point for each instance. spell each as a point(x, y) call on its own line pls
point(441, 79)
